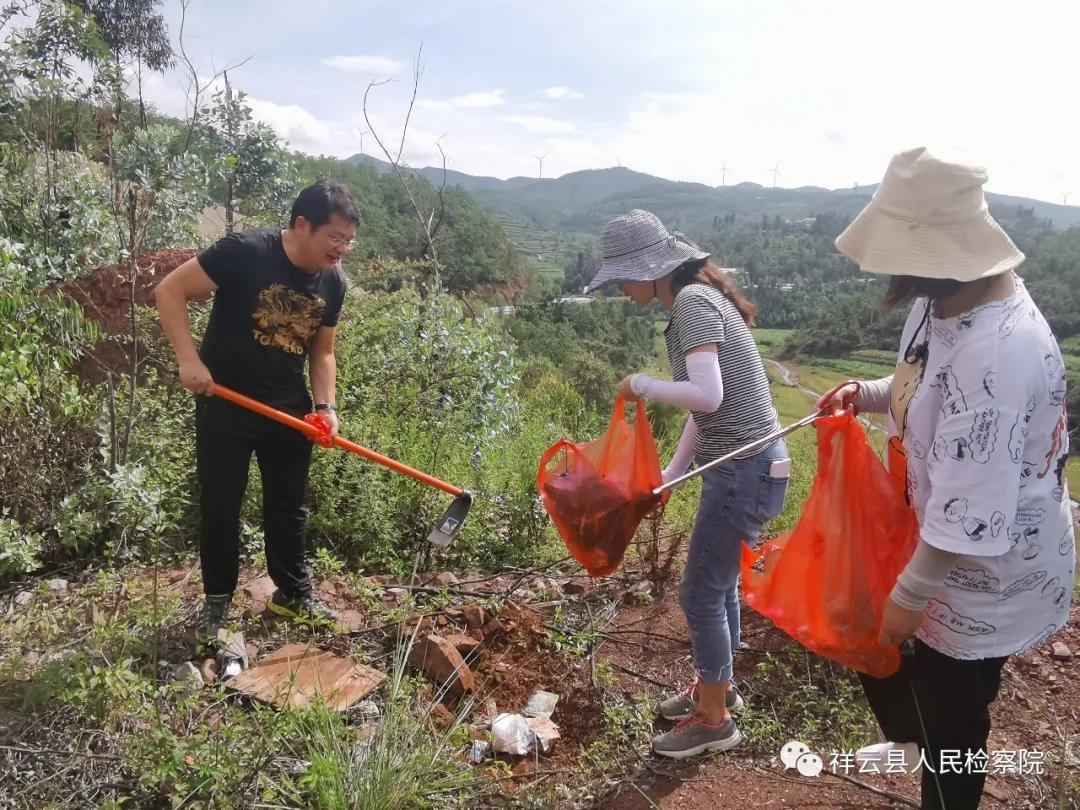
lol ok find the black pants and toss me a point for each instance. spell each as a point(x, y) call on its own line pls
point(954, 700)
point(225, 437)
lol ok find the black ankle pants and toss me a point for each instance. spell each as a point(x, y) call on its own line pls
point(226, 436)
point(954, 698)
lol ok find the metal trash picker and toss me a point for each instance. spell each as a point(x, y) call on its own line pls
point(758, 444)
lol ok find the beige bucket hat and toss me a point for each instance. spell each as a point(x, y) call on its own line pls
point(929, 218)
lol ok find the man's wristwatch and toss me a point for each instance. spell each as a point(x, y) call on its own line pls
point(325, 406)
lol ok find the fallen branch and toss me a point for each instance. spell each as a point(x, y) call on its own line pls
point(533, 572)
point(511, 570)
point(803, 782)
point(435, 591)
point(518, 582)
point(888, 794)
point(619, 631)
point(639, 676)
point(86, 754)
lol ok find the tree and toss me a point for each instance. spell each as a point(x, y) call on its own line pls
point(135, 35)
point(581, 271)
point(252, 174)
point(43, 58)
point(132, 30)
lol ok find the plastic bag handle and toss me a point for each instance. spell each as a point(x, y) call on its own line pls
point(553, 451)
point(618, 419)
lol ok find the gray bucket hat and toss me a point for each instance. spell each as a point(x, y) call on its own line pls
point(637, 247)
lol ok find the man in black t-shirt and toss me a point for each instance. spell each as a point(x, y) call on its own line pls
point(277, 298)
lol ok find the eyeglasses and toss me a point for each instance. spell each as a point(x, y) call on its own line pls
point(342, 242)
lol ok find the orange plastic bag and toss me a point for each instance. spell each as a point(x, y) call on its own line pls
point(597, 493)
point(825, 583)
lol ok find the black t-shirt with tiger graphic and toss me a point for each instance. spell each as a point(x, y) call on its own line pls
point(266, 311)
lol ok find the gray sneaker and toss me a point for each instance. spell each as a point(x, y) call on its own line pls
point(694, 735)
point(680, 705)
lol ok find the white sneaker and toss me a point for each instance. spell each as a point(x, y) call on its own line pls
point(889, 757)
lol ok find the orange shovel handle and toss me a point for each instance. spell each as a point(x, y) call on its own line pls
point(321, 436)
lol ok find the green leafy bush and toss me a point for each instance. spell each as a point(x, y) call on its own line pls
point(45, 434)
point(58, 208)
point(20, 549)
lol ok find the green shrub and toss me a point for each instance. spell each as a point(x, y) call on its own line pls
point(46, 434)
point(419, 382)
point(60, 211)
point(20, 549)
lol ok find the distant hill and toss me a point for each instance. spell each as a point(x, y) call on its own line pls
point(583, 201)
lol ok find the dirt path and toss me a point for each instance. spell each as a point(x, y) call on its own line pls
point(1036, 709)
point(791, 377)
point(654, 645)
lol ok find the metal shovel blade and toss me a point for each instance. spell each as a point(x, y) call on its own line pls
point(450, 523)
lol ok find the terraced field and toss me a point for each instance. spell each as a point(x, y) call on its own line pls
point(550, 247)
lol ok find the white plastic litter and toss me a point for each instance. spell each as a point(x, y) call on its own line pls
point(510, 734)
point(233, 667)
point(479, 752)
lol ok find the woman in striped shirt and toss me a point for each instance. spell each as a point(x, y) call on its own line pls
point(719, 378)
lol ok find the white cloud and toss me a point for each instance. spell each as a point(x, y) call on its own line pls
point(539, 123)
point(293, 124)
point(562, 92)
point(493, 98)
point(729, 97)
point(169, 93)
point(469, 101)
point(364, 64)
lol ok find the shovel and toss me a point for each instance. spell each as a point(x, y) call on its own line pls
point(318, 430)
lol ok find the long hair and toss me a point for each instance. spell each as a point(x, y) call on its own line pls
point(706, 271)
point(903, 289)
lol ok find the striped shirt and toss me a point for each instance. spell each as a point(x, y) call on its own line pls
point(702, 314)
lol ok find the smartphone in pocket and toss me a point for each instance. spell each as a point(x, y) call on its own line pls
point(781, 468)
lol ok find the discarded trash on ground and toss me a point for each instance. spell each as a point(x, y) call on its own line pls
point(480, 751)
point(297, 674)
point(545, 731)
point(541, 704)
point(511, 734)
point(232, 657)
point(518, 735)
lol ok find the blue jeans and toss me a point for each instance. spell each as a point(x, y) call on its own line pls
point(737, 499)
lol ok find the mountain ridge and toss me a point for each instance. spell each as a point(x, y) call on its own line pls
point(584, 200)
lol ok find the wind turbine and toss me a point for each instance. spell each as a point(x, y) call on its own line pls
point(1065, 197)
point(723, 174)
point(775, 173)
point(540, 160)
point(363, 132)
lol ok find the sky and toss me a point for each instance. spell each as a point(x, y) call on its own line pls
point(825, 92)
